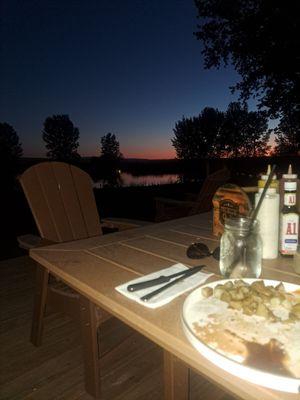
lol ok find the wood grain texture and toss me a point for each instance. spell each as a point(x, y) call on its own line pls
point(63, 204)
point(39, 308)
point(62, 201)
point(68, 192)
point(89, 324)
point(131, 367)
point(176, 378)
point(86, 198)
point(92, 272)
point(38, 204)
point(52, 194)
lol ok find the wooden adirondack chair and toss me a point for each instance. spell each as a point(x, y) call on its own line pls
point(62, 202)
point(169, 208)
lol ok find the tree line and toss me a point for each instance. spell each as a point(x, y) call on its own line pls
point(61, 139)
point(236, 132)
point(261, 40)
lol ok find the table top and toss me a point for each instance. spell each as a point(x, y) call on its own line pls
point(95, 266)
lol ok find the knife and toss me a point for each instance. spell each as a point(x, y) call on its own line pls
point(157, 281)
point(189, 272)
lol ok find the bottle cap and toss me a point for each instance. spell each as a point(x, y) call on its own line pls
point(290, 186)
point(264, 178)
point(290, 174)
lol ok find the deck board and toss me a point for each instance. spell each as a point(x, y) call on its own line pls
point(132, 365)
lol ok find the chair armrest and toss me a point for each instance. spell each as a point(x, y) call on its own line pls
point(29, 241)
point(167, 209)
point(173, 202)
point(123, 223)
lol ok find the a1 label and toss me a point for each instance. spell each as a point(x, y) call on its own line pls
point(289, 199)
point(289, 228)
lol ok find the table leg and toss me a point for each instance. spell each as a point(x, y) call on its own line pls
point(39, 304)
point(176, 378)
point(89, 325)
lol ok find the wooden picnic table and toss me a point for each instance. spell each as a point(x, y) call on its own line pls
point(95, 266)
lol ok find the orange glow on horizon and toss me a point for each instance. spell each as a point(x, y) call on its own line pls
point(151, 154)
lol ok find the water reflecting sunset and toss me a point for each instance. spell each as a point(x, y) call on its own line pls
point(127, 179)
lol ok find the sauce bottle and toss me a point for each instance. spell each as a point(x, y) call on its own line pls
point(289, 220)
point(289, 176)
point(268, 216)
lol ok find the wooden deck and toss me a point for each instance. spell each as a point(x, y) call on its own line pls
point(132, 366)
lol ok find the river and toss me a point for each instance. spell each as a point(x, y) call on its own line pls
point(127, 179)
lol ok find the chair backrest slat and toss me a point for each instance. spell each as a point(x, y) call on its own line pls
point(213, 182)
point(38, 204)
point(69, 199)
point(54, 194)
point(87, 201)
point(53, 198)
point(208, 189)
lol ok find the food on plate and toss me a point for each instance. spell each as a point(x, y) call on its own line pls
point(257, 299)
point(252, 323)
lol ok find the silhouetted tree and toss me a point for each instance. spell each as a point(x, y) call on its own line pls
point(262, 41)
point(244, 133)
point(110, 148)
point(234, 133)
point(110, 157)
point(197, 137)
point(10, 152)
point(61, 138)
point(288, 135)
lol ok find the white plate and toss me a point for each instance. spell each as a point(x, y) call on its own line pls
point(257, 376)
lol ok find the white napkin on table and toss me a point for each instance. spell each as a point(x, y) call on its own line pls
point(167, 295)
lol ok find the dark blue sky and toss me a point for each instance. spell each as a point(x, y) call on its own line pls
point(130, 67)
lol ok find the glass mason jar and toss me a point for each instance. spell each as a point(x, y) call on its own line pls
point(241, 249)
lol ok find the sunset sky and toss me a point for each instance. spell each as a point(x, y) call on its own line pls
point(130, 67)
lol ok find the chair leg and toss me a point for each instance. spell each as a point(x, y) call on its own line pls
point(176, 378)
point(89, 325)
point(39, 306)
